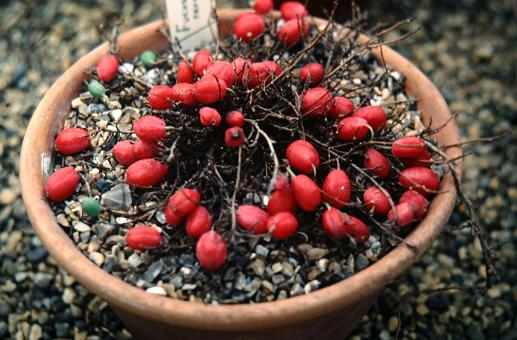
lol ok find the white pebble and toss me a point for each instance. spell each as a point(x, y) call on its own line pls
point(116, 114)
point(157, 291)
point(77, 102)
point(126, 68)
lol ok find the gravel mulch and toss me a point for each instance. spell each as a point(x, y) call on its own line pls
point(468, 49)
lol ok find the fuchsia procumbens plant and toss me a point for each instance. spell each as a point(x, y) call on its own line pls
point(250, 146)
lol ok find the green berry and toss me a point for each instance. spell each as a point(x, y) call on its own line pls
point(96, 89)
point(148, 58)
point(92, 207)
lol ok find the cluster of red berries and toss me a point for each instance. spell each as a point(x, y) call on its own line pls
point(249, 26)
point(203, 82)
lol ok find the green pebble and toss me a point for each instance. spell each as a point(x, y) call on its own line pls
point(148, 58)
point(96, 89)
point(92, 207)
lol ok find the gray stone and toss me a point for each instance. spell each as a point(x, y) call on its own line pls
point(42, 279)
point(118, 198)
point(361, 262)
point(316, 253)
point(153, 271)
point(260, 250)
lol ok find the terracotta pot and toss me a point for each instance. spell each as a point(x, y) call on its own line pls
point(330, 312)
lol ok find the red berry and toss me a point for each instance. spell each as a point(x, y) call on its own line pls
point(423, 159)
point(281, 200)
point(306, 193)
point(292, 10)
point(293, 31)
point(183, 201)
point(209, 117)
point(261, 73)
point(61, 184)
point(235, 118)
point(211, 250)
point(408, 147)
point(273, 67)
point(377, 163)
point(303, 156)
point(241, 68)
point(222, 70)
point(150, 128)
point(342, 107)
point(248, 26)
point(142, 237)
point(252, 218)
point(374, 115)
point(376, 201)
point(173, 218)
point(357, 229)
point(71, 141)
point(422, 179)
point(184, 93)
point(160, 97)
point(199, 221)
point(146, 173)
point(281, 182)
point(336, 188)
point(107, 68)
point(406, 214)
point(312, 73)
point(282, 225)
point(209, 89)
point(234, 136)
point(352, 129)
point(143, 150)
point(123, 152)
point(419, 201)
point(334, 223)
point(185, 72)
point(317, 102)
point(262, 7)
point(201, 61)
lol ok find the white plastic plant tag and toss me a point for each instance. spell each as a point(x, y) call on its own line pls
point(192, 22)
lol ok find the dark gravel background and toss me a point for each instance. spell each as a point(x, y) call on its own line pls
point(468, 48)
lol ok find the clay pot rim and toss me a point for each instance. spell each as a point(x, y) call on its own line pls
point(219, 317)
